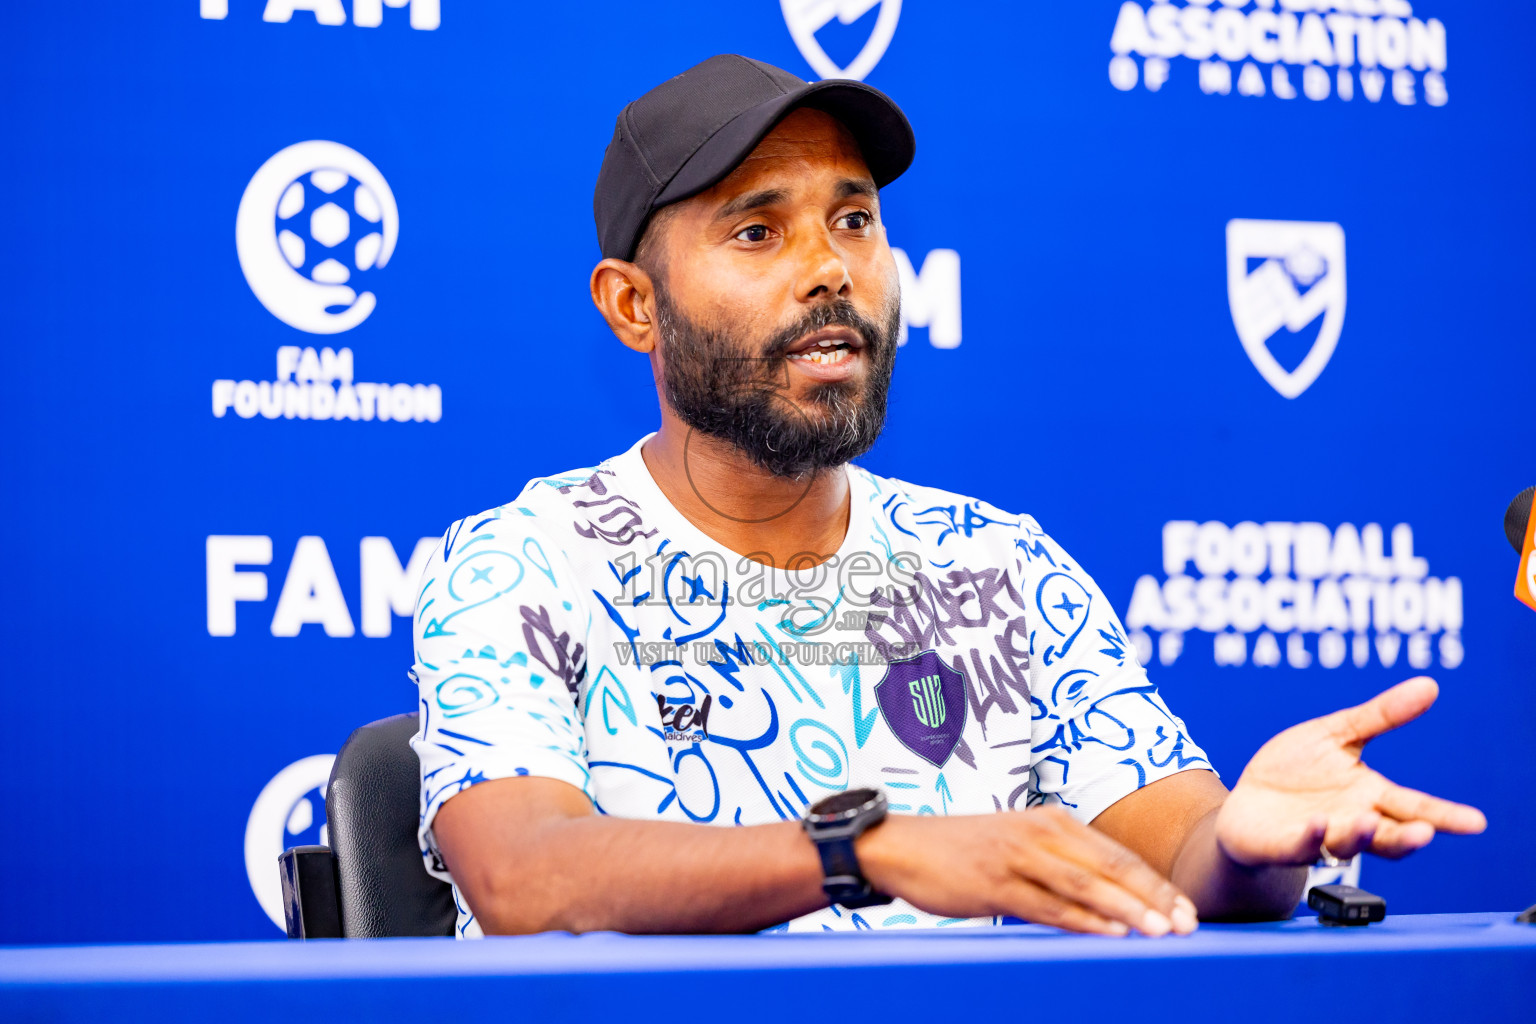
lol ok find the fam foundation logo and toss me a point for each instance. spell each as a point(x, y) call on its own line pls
point(1285, 286)
point(316, 222)
point(810, 25)
point(1306, 594)
point(318, 385)
point(1339, 50)
point(289, 811)
point(425, 14)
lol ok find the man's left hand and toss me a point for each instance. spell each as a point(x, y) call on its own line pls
point(1306, 791)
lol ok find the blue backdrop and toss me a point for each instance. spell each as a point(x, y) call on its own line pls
point(198, 598)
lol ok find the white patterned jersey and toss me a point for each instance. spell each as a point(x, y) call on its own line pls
point(949, 653)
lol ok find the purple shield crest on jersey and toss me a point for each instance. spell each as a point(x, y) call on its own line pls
point(923, 701)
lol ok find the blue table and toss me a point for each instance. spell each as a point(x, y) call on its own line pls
point(1436, 967)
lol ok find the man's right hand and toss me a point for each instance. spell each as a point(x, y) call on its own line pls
point(1041, 865)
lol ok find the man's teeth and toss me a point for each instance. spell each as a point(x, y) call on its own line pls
point(823, 356)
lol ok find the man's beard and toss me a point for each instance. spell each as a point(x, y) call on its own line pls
point(736, 392)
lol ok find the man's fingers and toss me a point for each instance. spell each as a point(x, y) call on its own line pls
point(1385, 711)
point(1304, 849)
point(1088, 867)
point(1081, 884)
point(1094, 850)
point(1348, 837)
point(1396, 839)
point(1031, 902)
point(1406, 804)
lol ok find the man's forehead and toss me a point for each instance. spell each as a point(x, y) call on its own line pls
point(808, 144)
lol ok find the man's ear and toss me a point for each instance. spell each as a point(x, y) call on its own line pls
point(625, 295)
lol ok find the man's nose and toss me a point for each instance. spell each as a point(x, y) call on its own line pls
point(823, 273)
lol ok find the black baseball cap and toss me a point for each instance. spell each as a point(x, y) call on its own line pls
point(691, 131)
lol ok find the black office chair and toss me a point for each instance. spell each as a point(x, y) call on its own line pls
point(369, 883)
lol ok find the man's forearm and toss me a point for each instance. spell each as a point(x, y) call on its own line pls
point(1226, 890)
point(543, 865)
point(650, 876)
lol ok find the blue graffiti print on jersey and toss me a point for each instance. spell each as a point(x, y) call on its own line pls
point(949, 653)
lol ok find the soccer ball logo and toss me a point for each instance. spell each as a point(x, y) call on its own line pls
point(328, 227)
point(314, 224)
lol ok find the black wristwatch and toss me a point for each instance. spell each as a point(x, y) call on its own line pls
point(833, 824)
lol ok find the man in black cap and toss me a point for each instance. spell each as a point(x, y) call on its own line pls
point(729, 681)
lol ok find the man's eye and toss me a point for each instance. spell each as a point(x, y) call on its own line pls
point(755, 233)
point(857, 221)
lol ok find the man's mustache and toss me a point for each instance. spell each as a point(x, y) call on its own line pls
point(840, 313)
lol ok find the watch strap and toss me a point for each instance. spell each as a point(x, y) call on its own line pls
point(843, 878)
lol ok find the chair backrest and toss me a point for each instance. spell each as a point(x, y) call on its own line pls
point(372, 808)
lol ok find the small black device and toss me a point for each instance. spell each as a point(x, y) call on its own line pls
point(833, 824)
point(1346, 905)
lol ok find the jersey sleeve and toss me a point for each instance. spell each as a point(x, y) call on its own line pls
point(500, 640)
point(1099, 728)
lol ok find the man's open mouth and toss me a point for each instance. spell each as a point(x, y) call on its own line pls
point(827, 347)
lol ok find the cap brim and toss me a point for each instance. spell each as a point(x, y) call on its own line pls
point(882, 131)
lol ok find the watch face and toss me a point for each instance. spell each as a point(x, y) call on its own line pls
point(843, 803)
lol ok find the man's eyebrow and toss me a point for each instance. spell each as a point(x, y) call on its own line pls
point(850, 187)
point(752, 201)
point(764, 198)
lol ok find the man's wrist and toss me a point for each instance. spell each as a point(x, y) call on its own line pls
point(879, 853)
point(833, 825)
point(1226, 888)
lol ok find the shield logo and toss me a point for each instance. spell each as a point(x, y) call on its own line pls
point(923, 701)
point(1281, 277)
point(807, 17)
